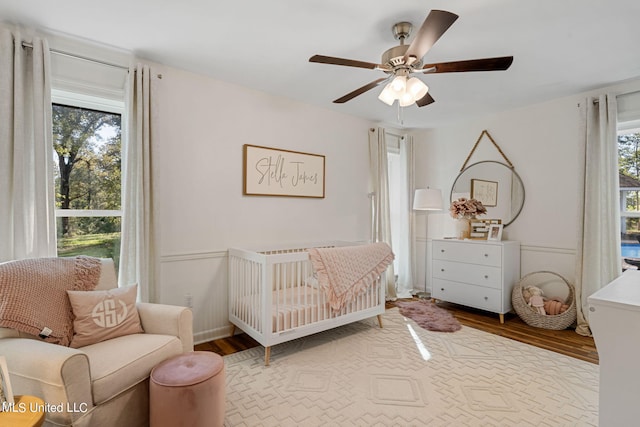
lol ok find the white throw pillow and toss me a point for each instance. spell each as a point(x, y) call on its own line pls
point(102, 315)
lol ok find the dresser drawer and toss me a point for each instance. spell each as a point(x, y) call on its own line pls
point(483, 275)
point(473, 296)
point(467, 252)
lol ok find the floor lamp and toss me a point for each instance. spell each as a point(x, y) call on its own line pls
point(426, 199)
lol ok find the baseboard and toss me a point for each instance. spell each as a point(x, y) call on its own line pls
point(212, 334)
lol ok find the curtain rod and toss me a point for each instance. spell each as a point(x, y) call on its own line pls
point(597, 101)
point(389, 133)
point(395, 134)
point(76, 56)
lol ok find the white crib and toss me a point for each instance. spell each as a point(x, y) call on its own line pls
point(274, 298)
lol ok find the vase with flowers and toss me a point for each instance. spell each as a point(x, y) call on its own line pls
point(464, 210)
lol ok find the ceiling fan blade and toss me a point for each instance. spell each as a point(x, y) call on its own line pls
point(486, 64)
point(433, 27)
point(425, 100)
point(341, 61)
point(360, 91)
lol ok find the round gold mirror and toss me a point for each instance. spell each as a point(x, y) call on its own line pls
point(496, 185)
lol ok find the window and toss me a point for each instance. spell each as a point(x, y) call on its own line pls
point(396, 173)
point(629, 172)
point(87, 153)
point(397, 164)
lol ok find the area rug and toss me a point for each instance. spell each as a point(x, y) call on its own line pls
point(429, 316)
point(403, 375)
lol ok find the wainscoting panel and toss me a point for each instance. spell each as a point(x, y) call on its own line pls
point(540, 258)
point(198, 280)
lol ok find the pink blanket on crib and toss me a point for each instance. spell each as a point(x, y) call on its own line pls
point(345, 272)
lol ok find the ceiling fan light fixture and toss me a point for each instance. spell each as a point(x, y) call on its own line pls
point(399, 84)
point(387, 95)
point(417, 88)
point(406, 99)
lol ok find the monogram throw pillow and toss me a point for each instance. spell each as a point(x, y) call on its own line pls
point(102, 315)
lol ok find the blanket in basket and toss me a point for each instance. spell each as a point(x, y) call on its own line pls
point(33, 294)
point(345, 272)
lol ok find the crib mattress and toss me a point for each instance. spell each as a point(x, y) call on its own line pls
point(298, 307)
point(292, 308)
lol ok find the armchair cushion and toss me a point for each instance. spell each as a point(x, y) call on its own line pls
point(120, 363)
point(102, 315)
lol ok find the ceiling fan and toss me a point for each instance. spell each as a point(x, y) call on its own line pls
point(402, 61)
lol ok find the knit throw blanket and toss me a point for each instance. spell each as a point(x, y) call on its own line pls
point(346, 272)
point(33, 294)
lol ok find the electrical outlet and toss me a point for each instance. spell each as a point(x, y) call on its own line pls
point(188, 300)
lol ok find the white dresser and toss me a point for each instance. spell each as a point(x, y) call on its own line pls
point(614, 316)
point(475, 273)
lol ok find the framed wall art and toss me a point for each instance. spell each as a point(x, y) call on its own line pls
point(275, 172)
point(485, 191)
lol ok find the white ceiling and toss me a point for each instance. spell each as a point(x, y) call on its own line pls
point(560, 47)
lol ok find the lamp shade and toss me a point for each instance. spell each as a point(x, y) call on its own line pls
point(427, 199)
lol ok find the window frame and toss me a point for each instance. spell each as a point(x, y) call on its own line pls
point(107, 105)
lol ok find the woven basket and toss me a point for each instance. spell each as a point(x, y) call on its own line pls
point(555, 322)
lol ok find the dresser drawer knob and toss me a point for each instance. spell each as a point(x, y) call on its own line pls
point(486, 255)
point(442, 289)
point(442, 250)
point(486, 298)
point(442, 269)
point(486, 276)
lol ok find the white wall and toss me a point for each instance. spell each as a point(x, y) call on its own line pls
point(199, 127)
point(544, 143)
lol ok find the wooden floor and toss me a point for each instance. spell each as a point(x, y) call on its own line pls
point(566, 342)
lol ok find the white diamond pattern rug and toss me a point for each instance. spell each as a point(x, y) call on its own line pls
point(403, 375)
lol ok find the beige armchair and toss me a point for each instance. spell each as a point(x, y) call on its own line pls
point(102, 384)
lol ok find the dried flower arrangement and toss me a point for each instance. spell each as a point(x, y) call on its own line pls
point(466, 208)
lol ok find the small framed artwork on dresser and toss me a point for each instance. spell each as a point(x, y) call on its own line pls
point(495, 232)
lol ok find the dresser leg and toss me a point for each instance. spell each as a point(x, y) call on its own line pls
point(501, 318)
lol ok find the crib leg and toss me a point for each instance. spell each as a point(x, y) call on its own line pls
point(267, 355)
point(233, 329)
point(380, 320)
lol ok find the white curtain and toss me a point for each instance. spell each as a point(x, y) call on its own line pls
point(27, 201)
point(598, 256)
point(404, 239)
point(137, 263)
point(380, 216)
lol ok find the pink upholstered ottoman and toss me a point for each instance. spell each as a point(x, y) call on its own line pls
point(188, 390)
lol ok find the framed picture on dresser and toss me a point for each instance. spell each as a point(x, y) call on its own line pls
point(495, 232)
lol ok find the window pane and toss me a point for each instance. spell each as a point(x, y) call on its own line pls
point(87, 146)
point(629, 179)
point(92, 236)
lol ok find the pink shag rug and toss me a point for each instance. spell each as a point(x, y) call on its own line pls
point(429, 316)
